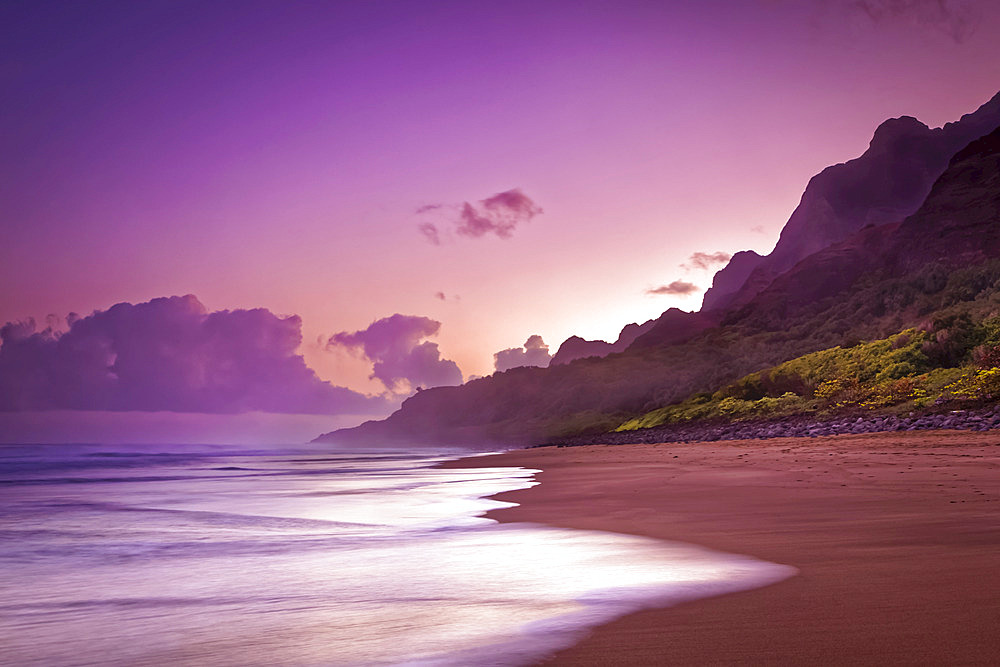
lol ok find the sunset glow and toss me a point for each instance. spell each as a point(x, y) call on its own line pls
point(286, 156)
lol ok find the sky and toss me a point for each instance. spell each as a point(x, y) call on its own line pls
point(487, 172)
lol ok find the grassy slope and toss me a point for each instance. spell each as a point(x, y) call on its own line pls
point(948, 358)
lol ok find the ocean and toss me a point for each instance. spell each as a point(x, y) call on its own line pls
point(222, 555)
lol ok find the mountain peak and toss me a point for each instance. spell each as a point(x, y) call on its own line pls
point(887, 183)
point(896, 128)
point(730, 279)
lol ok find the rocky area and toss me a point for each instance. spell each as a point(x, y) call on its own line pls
point(982, 419)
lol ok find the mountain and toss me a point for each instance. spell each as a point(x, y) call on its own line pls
point(872, 282)
point(959, 223)
point(957, 227)
point(672, 327)
point(932, 279)
point(885, 184)
point(728, 280)
point(574, 347)
point(888, 182)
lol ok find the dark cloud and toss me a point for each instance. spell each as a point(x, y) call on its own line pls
point(956, 18)
point(498, 215)
point(534, 353)
point(167, 354)
point(676, 288)
point(440, 296)
point(706, 260)
point(402, 359)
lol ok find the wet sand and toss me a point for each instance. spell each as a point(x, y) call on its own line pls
point(896, 536)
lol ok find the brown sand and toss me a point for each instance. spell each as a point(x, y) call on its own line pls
point(896, 536)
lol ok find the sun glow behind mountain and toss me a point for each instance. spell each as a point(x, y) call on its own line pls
point(502, 172)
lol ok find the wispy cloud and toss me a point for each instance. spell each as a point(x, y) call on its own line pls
point(499, 215)
point(430, 232)
point(676, 288)
point(706, 260)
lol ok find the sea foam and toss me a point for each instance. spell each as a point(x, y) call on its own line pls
point(271, 557)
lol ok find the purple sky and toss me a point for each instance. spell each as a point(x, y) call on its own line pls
point(276, 155)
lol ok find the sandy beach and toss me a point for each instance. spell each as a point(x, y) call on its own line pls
point(896, 536)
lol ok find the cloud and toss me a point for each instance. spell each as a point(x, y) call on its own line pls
point(534, 353)
point(676, 288)
point(168, 354)
point(757, 229)
point(956, 18)
point(498, 215)
point(402, 359)
point(430, 232)
point(440, 296)
point(706, 260)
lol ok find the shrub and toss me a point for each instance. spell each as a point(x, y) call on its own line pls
point(980, 385)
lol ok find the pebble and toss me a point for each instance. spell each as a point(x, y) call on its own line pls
point(787, 427)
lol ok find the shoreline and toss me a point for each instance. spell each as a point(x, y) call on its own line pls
point(896, 536)
point(793, 426)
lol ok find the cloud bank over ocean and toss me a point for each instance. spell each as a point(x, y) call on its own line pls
point(168, 354)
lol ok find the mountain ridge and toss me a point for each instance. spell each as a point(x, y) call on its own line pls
point(886, 183)
point(575, 347)
point(844, 289)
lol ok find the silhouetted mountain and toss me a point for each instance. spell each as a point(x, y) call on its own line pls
point(730, 279)
point(944, 259)
point(672, 327)
point(574, 347)
point(885, 184)
point(931, 281)
point(957, 226)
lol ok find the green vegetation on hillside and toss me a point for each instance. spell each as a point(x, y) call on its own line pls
point(595, 395)
point(951, 360)
point(950, 312)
